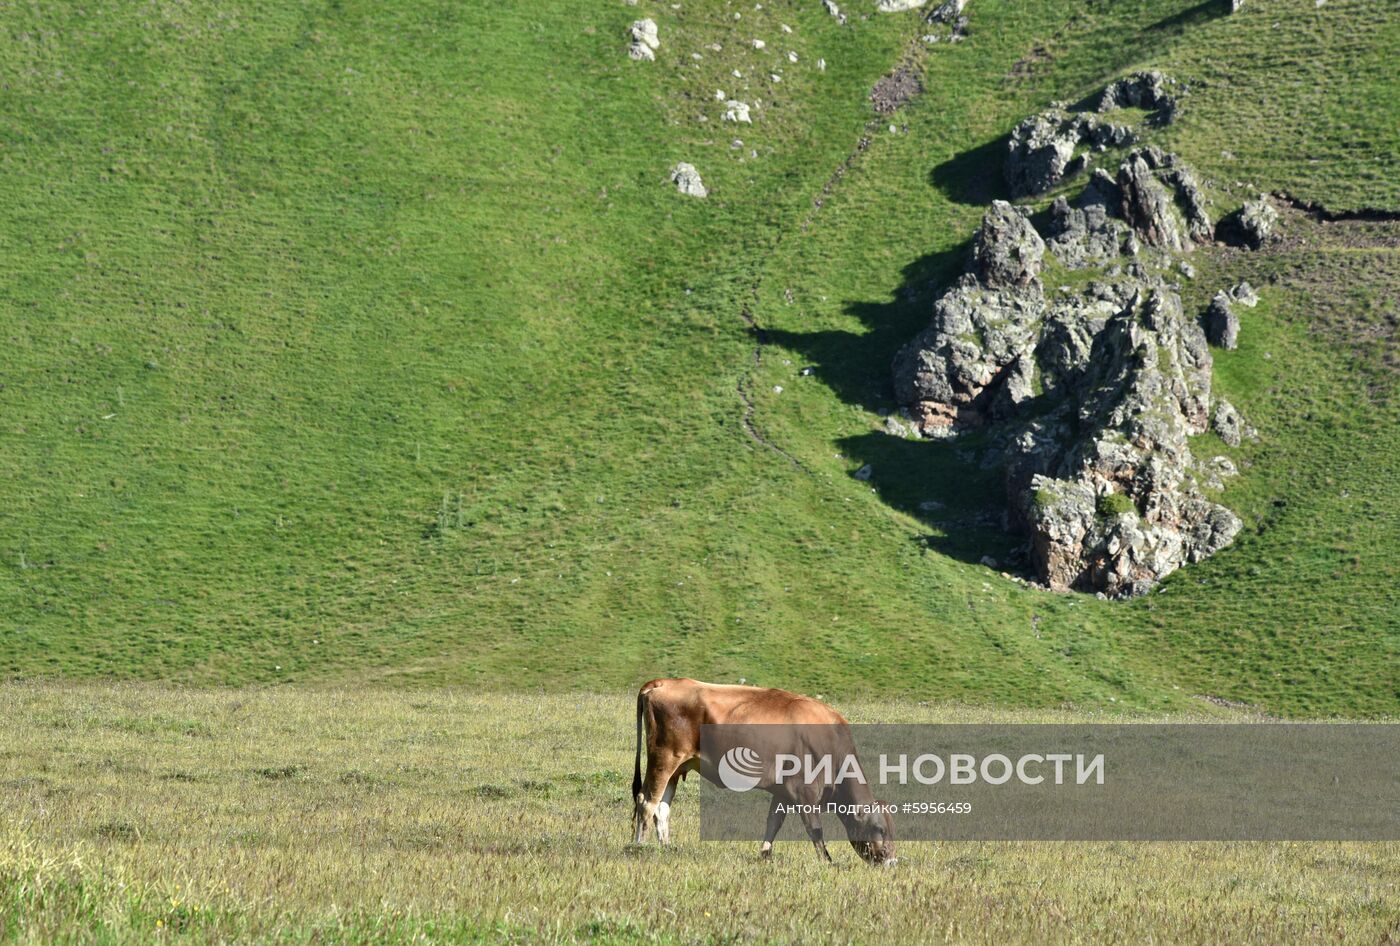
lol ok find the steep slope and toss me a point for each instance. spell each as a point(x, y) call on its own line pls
point(370, 341)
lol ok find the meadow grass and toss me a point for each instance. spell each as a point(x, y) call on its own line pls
point(140, 814)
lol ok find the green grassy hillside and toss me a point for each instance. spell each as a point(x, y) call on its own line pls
point(368, 341)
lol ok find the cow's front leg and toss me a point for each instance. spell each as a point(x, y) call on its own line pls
point(813, 821)
point(775, 824)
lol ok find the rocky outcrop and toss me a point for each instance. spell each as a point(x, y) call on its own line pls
point(1113, 499)
point(1042, 148)
point(687, 180)
point(644, 40)
point(1151, 91)
point(1091, 395)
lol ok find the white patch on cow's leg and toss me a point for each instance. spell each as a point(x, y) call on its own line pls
point(775, 823)
point(663, 813)
point(645, 812)
point(663, 823)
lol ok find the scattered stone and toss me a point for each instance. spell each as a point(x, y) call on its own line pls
point(644, 40)
point(687, 180)
point(947, 12)
point(1236, 5)
point(1244, 294)
point(736, 111)
point(989, 562)
point(1222, 324)
point(895, 89)
point(758, 44)
point(897, 6)
point(897, 428)
point(864, 473)
point(807, 372)
point(1251, 225)
point(1186, 269)
point(777, 389)
point(1230, 425)
point(835, 11)
point(821, 65)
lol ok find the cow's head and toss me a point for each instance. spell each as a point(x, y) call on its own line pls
point(872, 835)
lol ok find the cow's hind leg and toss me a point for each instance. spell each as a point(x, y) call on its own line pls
point(775, 824)
point(652, 796)
point(663, 810)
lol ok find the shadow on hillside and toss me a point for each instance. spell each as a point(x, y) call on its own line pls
point(975, 176)
point(1190, 17)
point(942, 483)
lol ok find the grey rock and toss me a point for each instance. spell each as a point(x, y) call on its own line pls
point(898, 428)
point(834, 10)
point(864, 473)
point(1231, 427)
point(949, 375)
point(1244, 294)
point(1100, 474)
point(644, 39)
point(1007, 251)
point(989, 561)
point(947, 12)
point(736, 111)
point(897, 6)
point(1152, 91)
point(1147, 205)
point(1252, 225)
point(687, 180)
point(1161, 200)
point(1222, 324)
point(1041, 148)
point(1236, 6)
point(1086, 232)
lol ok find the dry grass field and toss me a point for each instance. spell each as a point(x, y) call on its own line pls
point(139, 814)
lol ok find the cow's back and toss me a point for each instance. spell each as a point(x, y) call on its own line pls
point(732, 704)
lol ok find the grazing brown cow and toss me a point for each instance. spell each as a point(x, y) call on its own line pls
point(670, 714)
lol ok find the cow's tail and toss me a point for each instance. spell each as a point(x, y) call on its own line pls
point(637, 760)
